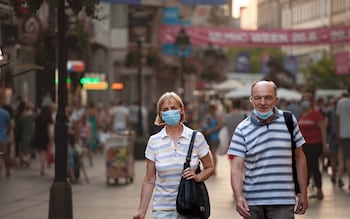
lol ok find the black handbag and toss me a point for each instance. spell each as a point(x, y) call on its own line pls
point(192, 198)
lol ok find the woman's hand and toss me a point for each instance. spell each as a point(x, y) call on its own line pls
point(188, 173)
point(139, 215)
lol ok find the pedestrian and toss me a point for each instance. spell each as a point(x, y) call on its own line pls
point(17, 129)
point(261, 171)
point(313, 127)
point(43, 135)
point(120, 117)
point(165, 157)
point(10, 160)
point(343, 129)
point(70, 158)
point(5, 127)
point(85, 136)
point(92, 119)
point(336, 155)
point(26, 123)
point(294, 107)
point(233, 118)
point(211, 129)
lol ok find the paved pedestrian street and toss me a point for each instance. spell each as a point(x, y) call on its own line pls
point(26, 195)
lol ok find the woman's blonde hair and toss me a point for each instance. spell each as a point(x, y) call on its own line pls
point(166, 97)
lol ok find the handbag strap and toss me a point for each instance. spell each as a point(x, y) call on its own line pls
point(189, 153)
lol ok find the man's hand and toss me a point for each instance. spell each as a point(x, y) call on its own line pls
point(302, 205)
point(242, 207)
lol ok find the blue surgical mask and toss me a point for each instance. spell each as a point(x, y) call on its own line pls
point(305, 104)
point(171, 117)
point(264, 115)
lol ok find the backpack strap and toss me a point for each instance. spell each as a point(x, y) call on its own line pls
point(290, 125)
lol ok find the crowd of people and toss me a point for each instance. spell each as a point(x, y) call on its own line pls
point(27, 132)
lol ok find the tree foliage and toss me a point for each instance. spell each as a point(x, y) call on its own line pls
point(26, 8)
point(323, 75)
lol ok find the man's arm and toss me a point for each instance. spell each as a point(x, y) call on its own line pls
point(237, 169)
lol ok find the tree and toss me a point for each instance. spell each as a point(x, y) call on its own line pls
point(25, 8)
point(322, 74)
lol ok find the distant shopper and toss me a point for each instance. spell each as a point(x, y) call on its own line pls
point(336, 154)
point(5, 122)
point(120, 117)
point(211, 129)
point(233, 118)
point(43, 135)
point(343, 129)
point(26, 123)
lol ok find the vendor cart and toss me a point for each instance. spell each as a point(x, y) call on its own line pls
point(120, 157)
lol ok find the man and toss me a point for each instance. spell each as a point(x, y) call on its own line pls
point(343, 130)
point(120, 117)
point(261, 170)
point(5, 122)
point(232, 119)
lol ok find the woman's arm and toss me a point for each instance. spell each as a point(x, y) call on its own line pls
point(146, 190)
point(208, 169)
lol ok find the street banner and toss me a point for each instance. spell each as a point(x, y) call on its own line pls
point(342, 63)
point(203, 2)
point(259, 38)
point(171, 16)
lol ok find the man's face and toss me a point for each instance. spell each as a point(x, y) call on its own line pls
point(263, 97)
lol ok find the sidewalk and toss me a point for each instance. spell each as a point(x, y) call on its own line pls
point(26, 195)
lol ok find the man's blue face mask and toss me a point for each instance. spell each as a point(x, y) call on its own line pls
point(263, 116)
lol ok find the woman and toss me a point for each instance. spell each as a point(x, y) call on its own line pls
point(26, 123)
point(212, 126)
point(91, 116)
point(43, 135)
point(166, 153)
point(313, 127)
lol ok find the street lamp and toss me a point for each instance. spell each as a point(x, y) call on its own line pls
point(60, 205)
point(139, 21)
point(182, 42)
point(210, 54)
point(214, 62)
